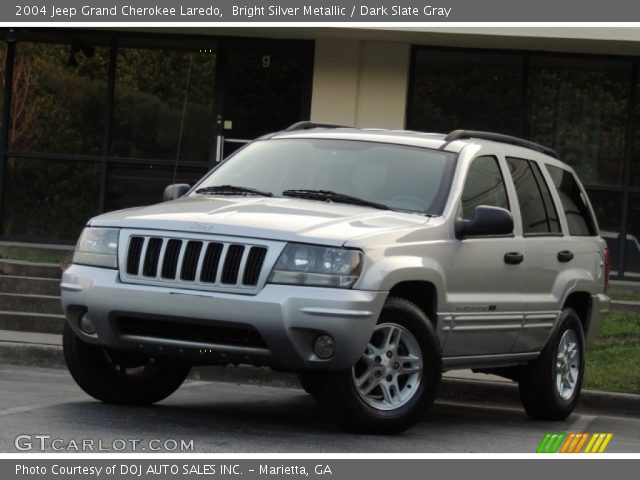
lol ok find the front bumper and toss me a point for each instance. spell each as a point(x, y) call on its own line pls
point(287, 318)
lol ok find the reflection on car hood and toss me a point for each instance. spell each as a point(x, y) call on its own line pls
point(288, 219)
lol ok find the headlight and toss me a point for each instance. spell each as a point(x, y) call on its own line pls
point(97, 247)
point(301, 264)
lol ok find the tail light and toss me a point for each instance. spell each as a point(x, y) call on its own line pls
point(607, 267)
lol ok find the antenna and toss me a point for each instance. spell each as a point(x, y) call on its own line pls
point(184, 111)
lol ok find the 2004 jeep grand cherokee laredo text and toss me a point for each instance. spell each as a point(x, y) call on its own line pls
point(365, 261)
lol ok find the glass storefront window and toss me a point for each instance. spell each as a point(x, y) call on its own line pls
point(635, 159)
point(632, 246)
point(150, 101)
point(3, 63)
point(469, 90)
point(59, 98)
point(580, 107)
point(124, 188)
point(50, 199)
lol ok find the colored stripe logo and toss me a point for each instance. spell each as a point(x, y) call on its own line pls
point(561, 442)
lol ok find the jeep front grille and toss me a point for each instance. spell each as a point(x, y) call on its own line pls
point(183, 262)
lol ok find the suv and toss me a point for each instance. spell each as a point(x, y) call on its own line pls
point(366, 261)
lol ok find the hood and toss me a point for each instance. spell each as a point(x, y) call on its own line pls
point(287, 219)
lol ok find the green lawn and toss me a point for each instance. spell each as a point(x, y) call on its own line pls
point(613, 362)
point(30, 258)
point(625, 297)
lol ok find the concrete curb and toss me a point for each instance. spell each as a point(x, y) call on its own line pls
point(496, 393)
point(31, 355)
point(625, 306)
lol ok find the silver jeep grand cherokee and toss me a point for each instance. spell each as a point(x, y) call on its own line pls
point(366, 261)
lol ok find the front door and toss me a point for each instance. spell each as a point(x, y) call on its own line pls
point(484, 288)
point(262, 86)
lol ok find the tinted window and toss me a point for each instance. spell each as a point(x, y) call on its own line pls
point(404, 178)
point(484, 186)
point(574, 203)
point(536, 208)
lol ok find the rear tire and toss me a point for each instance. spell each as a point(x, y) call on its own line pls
point(550, 386)
point(396, 379)
point(115, 376)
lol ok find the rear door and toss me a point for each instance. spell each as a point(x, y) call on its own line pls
point(546, 264)
point(484, 291)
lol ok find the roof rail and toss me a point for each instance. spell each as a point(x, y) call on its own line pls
point(306, 125)
point(499, 137)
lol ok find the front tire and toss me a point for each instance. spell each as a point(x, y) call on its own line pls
point(393, 382)
point(550, 386)
point(115, 376)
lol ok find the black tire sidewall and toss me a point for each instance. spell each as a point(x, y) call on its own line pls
point(90, 368)
point(538, 391)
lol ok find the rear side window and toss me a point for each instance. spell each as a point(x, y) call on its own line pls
point(484, 186)
point(539, 215)
point(574, 202)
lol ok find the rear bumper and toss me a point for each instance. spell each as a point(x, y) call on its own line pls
point(599, 311)
point(287, 318)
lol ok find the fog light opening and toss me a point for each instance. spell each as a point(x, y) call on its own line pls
point(324, 347)
point(86, 325)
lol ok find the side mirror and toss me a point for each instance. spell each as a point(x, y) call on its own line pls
point(485, 221)
point(175, 191)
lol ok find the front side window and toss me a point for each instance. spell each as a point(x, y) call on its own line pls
point(401, 177)
point(574, 202)
point(536, 207)
point(484, 186)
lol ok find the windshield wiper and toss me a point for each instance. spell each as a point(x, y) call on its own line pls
point(331, 196)
point(233, 190)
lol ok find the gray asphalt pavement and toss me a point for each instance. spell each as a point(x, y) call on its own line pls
point(45, 407)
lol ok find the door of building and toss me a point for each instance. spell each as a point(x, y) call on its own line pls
point(262, 86)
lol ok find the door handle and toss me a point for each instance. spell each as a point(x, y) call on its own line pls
point(565, 256)
point(513, 258)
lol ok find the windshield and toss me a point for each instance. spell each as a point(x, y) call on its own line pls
point(399, 177)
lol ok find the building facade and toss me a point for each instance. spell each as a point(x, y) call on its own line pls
point(98, 120)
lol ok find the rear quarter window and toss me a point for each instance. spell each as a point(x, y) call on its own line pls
point(574, 202)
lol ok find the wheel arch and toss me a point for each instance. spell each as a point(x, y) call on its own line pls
point(423, 294)
point(580, 302)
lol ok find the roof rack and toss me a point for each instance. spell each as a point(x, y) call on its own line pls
point(499, 137)
point(306, 125)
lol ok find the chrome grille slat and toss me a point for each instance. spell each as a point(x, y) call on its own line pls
point(211, 262)
point(163, 250)
point(201, 261)
point(242, 266)
point(191, 258)
point(170, 260)
point(196, 263)
point(152, 257)
point(183, 245)
point(231, 265)
point(133, 254)
point(255, 260)
point(223, 256)
point(143, 254)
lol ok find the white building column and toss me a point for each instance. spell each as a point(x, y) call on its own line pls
point(361, 83)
